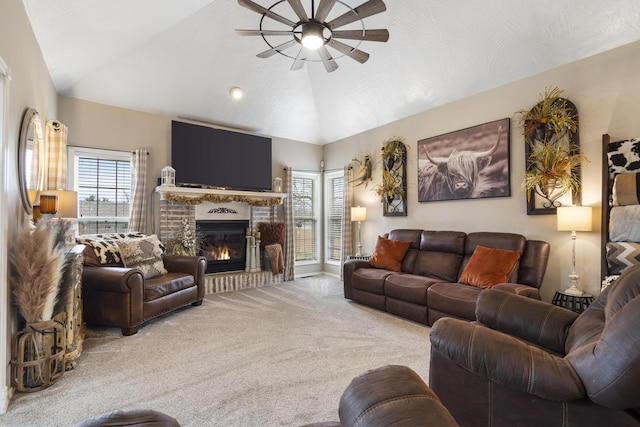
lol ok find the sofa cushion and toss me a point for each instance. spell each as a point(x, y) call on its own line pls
point(388, 254)
point(370, 279)
point(489, 266)
point(144, 254)
point(408, 287)
point(165, 284)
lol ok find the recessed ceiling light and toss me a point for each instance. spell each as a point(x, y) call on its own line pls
point(236, 92)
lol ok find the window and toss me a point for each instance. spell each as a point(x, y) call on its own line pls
point(102, 179)
point(334, 196)
point(305, 216)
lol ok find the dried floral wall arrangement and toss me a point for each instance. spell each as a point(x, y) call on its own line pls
point(553, 154)
point(392, 190)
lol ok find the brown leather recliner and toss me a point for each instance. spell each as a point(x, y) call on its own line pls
point(529, 363)
point(122, 297)
point(391, 395)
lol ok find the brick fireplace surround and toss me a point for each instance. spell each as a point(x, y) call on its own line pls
point(170, 218)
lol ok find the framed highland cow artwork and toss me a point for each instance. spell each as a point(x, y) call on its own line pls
point(471, 163)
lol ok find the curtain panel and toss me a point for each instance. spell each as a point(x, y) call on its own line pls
point(137, 216)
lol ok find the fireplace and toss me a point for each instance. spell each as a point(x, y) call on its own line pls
point(223, 244)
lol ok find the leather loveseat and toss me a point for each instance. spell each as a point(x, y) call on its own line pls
point(124, 297)
point(530, 363)
point(427, 286)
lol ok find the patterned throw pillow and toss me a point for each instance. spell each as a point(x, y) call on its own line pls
point(622, 255)
point(105, 247)
point(144, 254)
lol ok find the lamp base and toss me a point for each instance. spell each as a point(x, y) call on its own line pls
point(359, 251)
point(574, 279)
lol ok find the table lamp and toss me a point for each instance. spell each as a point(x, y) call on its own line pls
point(573, 218)
point(359, 214)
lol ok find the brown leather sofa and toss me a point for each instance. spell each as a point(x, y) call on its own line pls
point(530, 363)
point(392, 395)
point(123, 298)
point(427, 287)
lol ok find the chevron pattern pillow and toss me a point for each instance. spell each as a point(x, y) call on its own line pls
point(622, 255)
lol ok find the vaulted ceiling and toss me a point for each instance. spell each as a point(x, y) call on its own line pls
point(180, 58)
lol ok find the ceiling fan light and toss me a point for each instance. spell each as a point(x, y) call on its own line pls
point(312, 36)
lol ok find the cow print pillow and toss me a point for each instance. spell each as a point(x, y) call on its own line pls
point(105, 247)
point(624, 156)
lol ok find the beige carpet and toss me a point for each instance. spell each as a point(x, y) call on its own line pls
point(278, 355)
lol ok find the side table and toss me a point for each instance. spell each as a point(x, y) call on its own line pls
point(577, 303)
point(360, 257)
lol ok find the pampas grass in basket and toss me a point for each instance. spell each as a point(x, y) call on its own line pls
point(38, 261)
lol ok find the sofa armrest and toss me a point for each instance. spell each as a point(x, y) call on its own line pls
point(519, 289)
point(193, 265)
point(112, 279)
point(535, 321)
point(348, 268)
point(506, 360)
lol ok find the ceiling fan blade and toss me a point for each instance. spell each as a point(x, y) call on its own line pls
point(257, 8)
point(324, 8)
point(351, 52)
point(327, 60)
point(298, 63)
point(372, 7)
point(298, 9)
point(279, 48)
point(370, 35)
point(263, 33)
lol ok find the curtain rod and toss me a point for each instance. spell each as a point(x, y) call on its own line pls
point(105, 149)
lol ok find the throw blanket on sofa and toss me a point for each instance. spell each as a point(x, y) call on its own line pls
point(275, 255)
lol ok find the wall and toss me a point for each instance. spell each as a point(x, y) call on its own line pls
point(30, 86)
point(605, 90)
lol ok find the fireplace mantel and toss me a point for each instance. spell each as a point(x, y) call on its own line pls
point(251, 197)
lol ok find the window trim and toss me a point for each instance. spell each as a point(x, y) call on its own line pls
point(76, 151)
point(317, 204)
point(327, 178)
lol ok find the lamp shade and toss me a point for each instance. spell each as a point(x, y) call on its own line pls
point(67, 203)
point(358, 213)
point(574, 218)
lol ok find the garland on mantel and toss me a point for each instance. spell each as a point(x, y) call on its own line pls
point(217, 198)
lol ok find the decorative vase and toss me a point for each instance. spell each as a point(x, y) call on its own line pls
point(549, 186)
point(37, 355)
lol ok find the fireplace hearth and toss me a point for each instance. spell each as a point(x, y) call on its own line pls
point(223, 244)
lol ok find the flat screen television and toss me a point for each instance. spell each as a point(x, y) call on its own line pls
point(209, 157)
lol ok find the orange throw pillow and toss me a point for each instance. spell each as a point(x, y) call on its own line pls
point(489, 266)
point(388, 254)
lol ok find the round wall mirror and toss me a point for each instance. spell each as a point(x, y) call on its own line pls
point(29, 154)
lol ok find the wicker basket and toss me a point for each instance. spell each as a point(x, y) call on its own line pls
point(37, 355)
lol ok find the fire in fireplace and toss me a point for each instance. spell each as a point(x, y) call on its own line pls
point(223, 244)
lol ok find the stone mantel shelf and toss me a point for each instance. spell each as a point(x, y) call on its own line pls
point(198, 192)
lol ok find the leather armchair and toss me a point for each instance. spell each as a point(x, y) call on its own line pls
point(529, 363)
point(122, 297)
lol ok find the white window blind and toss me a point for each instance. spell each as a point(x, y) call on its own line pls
point(334, 184)
point(305, 215)
point(102, 179)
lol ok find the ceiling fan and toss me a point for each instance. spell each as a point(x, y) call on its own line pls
point(311, 33)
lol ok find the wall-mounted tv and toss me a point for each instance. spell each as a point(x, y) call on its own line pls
point(209, 157)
